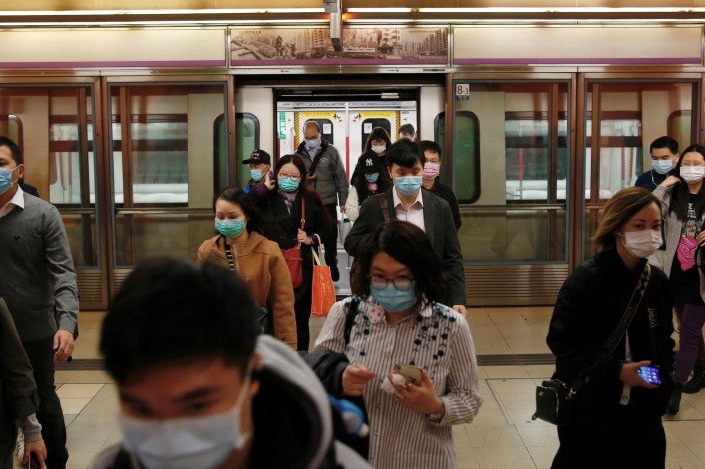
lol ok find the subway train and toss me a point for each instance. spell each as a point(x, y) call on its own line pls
point(131, 121)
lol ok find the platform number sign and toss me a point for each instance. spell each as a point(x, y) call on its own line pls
point(462, 91)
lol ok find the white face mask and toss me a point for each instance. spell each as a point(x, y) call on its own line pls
point(642, 243)
point(378, 148)
point(662, 166)
point(692, 174)
point(186, 443)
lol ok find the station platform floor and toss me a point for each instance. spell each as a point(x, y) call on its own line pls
point(513, 358)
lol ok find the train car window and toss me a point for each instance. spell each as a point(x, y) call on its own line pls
point(11, 127)
point(163, 146)
point(247, 131)
point(466, 154)
point(680, 127)
point(370, 123)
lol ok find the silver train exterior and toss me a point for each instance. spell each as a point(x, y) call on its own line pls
point(131, 125)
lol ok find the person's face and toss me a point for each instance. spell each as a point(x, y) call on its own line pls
point(432, 157)
point(664, 154)
point(648, 218)
point(180, 389)
point(378, 142)
point(227, 210)
point(8, 162)
point(289, 170)
point(385, 267)
point(398, 171)
point(263, 166)
point(405, 136)
point(310, 133)
point(693, 158)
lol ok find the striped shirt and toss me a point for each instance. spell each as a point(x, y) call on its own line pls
point(436, 339)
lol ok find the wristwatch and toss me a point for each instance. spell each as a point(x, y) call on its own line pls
point(440, 413)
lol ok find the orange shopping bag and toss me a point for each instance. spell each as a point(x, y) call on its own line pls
point(323, 290)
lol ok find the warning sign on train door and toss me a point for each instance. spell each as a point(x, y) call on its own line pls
point(462, 91)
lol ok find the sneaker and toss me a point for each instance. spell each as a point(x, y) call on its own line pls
point(674, 402)
point(696, 382)
point(20, 445)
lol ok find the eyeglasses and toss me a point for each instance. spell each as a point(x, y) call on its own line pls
point(286, 176)
point(400, 283)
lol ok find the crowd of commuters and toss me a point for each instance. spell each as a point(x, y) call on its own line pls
point(399, 347)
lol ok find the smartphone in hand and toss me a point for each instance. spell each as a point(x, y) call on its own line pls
point(650, 374)
point(411, 372)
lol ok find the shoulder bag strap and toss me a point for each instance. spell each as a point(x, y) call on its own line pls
point(350, 318)
point(618, 333)
point(382, 199)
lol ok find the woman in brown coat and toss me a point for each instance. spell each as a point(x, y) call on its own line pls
point(240, 246)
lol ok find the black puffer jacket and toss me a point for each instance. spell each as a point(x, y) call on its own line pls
point(590, 304)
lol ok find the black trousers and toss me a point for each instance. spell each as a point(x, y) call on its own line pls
point(632, 440)
point(50, 414)
point(330, 238)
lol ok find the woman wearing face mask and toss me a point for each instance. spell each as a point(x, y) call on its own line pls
point(684, 198)
point(398, 320)
point(283, 217)
point(616, 409)
point(240, 246)
point(373, 178)
point(375, 151)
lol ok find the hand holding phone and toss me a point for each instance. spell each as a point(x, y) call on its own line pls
point(410, 372)
point(650, 374)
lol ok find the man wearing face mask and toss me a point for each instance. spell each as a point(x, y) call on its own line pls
point(431, 170)
point(260, 166)
point(684, 198)
point(408, 201)
point(664, 157)
point(39, 286)
point(326, 175)
point(199, 388)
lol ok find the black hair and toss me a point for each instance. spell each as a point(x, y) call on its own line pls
point(15, 150)
point(665, 142)
point(680, 194)
point(430, 145)
point(405, 153)
point(408, 129)
point(169, 310)
point(236, 195)
point(408, 245)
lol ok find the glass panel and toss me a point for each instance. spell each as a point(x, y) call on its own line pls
point(246, 141)
point(520, 141)
point(166, 161)
point(630, 117)
point(11, 127)
point(466, 151)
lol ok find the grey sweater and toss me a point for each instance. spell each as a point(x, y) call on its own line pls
point(37, 277)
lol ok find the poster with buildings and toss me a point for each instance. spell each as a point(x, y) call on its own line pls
point(361, 46)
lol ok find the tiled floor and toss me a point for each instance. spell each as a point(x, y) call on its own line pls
point(502, 436)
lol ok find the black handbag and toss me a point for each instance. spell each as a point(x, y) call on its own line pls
point(553, 396)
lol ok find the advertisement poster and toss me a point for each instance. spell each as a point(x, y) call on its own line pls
point(361, 46)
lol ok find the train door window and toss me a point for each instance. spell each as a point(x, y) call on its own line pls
point(516, 142)
point(621, 121)
point(466, 153)
point(164, 142)
point(370, 123)
point(247, 131)
point(11, 127)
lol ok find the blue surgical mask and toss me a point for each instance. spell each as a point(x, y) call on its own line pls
point(230, 228)
point(372, 177)
point(408, 185)
point(392, 299)
point(662, 166)
point(288, 184)
point(6, 179)
point(313, 143)
point(186, 443)
point(256, 175)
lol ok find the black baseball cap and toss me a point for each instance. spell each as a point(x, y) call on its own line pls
point(257, 157)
